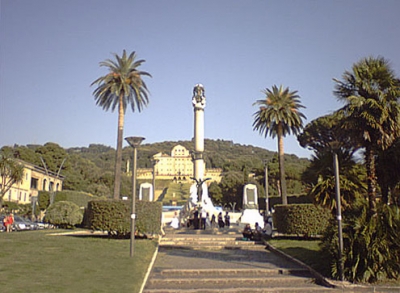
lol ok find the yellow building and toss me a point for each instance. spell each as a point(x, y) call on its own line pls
point(35, 179)
point(178, 167)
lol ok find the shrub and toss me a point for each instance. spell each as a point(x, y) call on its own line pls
point(64, 214)
point(301, 219)
point(114, 216)
point(371, 244)
point(110, 215)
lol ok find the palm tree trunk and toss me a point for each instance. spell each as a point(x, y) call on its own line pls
point(118, 157)
point(282, 166)
point(371, 179)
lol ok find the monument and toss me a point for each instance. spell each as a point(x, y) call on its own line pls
point(198, 190)
point(250, 214)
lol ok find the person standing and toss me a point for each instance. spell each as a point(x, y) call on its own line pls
point(227, 220)
point(220, 221)
point(203, 218)
point(213, 222)
point(9, 222)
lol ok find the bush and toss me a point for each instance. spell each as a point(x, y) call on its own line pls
point(301, 219)
point(64, 214)
point(114, 216)
point(371, 244)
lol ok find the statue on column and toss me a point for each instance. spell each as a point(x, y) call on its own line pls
point(199, 99)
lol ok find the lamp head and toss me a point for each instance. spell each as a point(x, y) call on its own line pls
point(134, 141)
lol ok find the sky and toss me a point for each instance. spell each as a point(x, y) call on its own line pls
point(50, 53)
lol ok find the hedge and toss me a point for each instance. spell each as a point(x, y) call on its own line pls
point(301, 219)
point(114, 216)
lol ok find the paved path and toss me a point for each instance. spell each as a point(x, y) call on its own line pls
point(189, 263)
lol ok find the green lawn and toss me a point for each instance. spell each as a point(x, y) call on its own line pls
point(35, 261)
point(307, 251)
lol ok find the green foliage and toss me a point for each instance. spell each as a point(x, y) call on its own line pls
point(215, 192)
point(79, 198)
point(64, 214)
point(148, 217)
point(301, 219)
point(11, 172)
point(371, 91)
point(10, 206)
point(371, 244)
point(43, 200)
point(91, 169)
point(113, 216)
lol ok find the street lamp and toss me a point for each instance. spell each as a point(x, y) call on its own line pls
point(134, 141)
point(154, 162)
point(266, 188)
point(335, 146)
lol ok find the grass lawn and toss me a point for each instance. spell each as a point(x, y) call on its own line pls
point(307, 251)
point(35, 261)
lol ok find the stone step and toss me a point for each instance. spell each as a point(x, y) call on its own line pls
point(203, 242)
point(232, 272)
point(246, 290)
point(229, 282)
point(213, 247)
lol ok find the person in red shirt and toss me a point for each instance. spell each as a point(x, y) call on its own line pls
point(9, 222)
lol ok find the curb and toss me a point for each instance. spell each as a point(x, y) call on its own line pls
point(149, 269)
point(321, 279)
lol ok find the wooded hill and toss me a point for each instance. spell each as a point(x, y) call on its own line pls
point(91, 168)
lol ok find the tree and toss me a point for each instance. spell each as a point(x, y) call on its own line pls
point(278, 116)
point(318, 136)
point(372, 112)
point(11, 172)
point(123, 85)
point(388, 172)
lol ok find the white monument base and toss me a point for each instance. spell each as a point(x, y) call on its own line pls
point(251, 216)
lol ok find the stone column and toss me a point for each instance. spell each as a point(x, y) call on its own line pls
point(199, 103)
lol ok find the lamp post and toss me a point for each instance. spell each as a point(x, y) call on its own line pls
point(335, 146)
point(154, 162)
point(134, 141)
point(338, 213)
point(266, 187)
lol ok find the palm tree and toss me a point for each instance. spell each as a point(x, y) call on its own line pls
point(279, 115)
point(372, 111)
point(123, 85)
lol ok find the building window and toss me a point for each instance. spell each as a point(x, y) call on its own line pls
point(34, 183)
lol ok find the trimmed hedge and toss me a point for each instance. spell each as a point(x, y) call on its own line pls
point(301, 219)
point(114, 216)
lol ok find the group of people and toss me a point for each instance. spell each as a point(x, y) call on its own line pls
point(201, 220)
point(224, 221)
point(8, 222)
point(250, 234)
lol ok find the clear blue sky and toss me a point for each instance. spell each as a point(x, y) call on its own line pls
point(50, 53)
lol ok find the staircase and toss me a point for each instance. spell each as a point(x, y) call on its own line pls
point(221, 261)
